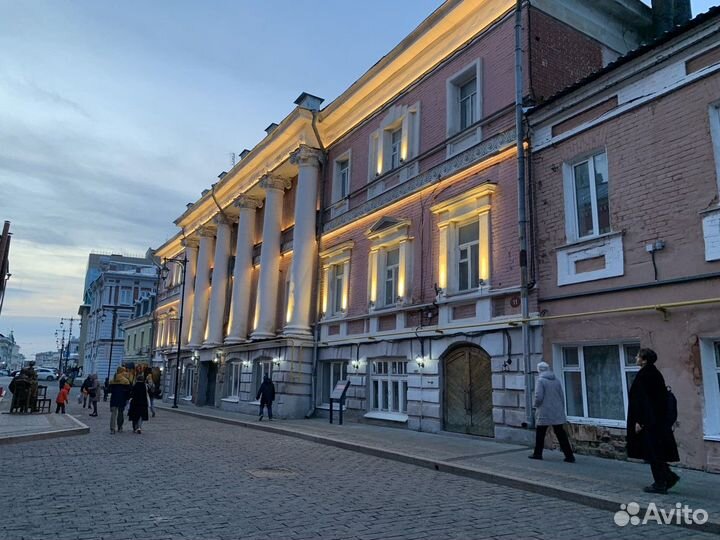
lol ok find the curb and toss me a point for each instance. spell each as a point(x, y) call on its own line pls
point(492, 477)
point(81, 429)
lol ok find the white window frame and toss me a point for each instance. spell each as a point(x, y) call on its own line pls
point(387, 235)
point(406, 119)
point(337, 289)
point(234, 380)
point(126, 296)
point(331, 258)
point(382, 396)
point(342, 183)
point(710, 361)
point(625, 364)
point(189, 374)
point(394, 270)
point(472, 267)
point(474, 204)
point(460, 137)
point(572, 223)
point(261, 367)
point(469, 102)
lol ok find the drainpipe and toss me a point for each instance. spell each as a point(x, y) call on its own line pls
point(318, 234)
point(522, 214)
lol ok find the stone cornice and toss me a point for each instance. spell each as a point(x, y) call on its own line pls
point(207, 231)
point(440, 172)
point(271, 181)
point(307, 155)
point(190, 243)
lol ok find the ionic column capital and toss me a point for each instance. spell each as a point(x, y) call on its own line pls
point(246, 202)
point(221, 219)
point(190, 243)
point(206, 231)
point(271, 181)
point(307, 155)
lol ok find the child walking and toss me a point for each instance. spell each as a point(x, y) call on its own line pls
point(62, 399)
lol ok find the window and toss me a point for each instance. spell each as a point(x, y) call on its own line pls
point(389, 386)
point(233, 388)
point(464, 107)
point(332, 372)
point(591, 210)
point(392, 269)
point(142, 338)
point(597, 379)
point(468, 256)
point(710, 361)
point(262, 368)
point(467, 98)
point(126, 296)
point(344, 180)
point(341, 180)
point(189, 382)
point(337, 287)
point(395, 141)
point(134, 341)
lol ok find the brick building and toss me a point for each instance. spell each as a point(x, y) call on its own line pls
point(625, 172)
point(406, 282)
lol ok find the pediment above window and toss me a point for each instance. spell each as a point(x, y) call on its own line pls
point(387, 226)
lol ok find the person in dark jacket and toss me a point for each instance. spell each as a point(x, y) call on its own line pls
point(266, 395)
point(138, 404)
point(94, 393)
point(119, 395)
point(649, 433)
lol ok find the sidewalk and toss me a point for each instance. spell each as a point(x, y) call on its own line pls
point(31, 427)
point(591, 481)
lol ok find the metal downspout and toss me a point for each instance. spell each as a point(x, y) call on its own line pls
point(522, 214)
point(318, 234)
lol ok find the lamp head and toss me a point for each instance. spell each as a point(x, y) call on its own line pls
point(164, 270)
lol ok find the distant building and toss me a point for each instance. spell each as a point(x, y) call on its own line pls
point(47, 359)
point(10, 357)
point(114, 284)
point(139, 331)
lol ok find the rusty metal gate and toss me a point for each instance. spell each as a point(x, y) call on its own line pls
point(468, 392)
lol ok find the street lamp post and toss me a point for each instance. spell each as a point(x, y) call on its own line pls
point(164, 272)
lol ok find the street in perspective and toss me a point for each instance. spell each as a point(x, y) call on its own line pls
point(471, 292)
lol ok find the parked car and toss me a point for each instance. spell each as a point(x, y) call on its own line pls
point(45, 374)
point(4, 372)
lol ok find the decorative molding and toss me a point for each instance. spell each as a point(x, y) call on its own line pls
point(207, 230)
point(271, 181)
point(307, 155)
point(221, 219)
point(190, 243)
point(461, 161)
point(245, 202)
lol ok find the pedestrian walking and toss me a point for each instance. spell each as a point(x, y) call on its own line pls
point(119, 395)
point(649, 431)
point(61, 381)
point(138, 404)
point(84, 391)
point(62, 399)
point(550, 411)
point(93, 393)
point(266, 395)
point(151, 390)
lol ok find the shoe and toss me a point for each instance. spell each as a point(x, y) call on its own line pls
point(120, 430)
point(153, 415)
point(112, 432)
point(139, 431)
point(134, 430)
point(260, 419)
point(654, 488)
point(270, 419)
point(92, 414)
point(533, 456)
point(674, 479)
point(569, 459)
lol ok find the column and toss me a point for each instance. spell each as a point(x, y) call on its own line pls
point(242, 273)
point(191, 253)
point(373, 277)
point(274, 187)
point(403, 270)
point(218, 291)
point(484, 251)
point(202, 287)
point(304, 241)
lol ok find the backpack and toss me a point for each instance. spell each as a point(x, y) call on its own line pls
point(671, 407)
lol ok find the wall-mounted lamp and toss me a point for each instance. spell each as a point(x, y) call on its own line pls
point(420, 361)
point(355, 364)
point(276, 361)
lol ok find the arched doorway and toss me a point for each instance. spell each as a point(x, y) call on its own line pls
point(467, 403)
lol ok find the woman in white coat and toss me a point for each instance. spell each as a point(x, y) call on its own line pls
point(550, 411)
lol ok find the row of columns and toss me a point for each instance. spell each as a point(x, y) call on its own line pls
point(206, 293)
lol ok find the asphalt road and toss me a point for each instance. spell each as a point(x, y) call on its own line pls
point(191, 478)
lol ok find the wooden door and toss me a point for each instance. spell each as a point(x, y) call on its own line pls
point(468, 392)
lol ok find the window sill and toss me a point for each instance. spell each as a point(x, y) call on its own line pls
point(588, 240)
point(333, 318)
point(230, 399)
point(474, 294)
point(393, 417)
point(620, 424)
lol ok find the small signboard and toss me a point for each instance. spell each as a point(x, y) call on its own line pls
point(340, 389)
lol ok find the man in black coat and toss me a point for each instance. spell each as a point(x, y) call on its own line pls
point(649, 433)
point(266, 395)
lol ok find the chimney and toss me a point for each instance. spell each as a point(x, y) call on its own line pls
point(204, 192)
point(244, 153)
point(667, 14)
point(222, 175)
point(308, 101)
point(189, 205)
point(271, 128)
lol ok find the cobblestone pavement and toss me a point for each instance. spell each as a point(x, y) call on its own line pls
point(191, 478)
